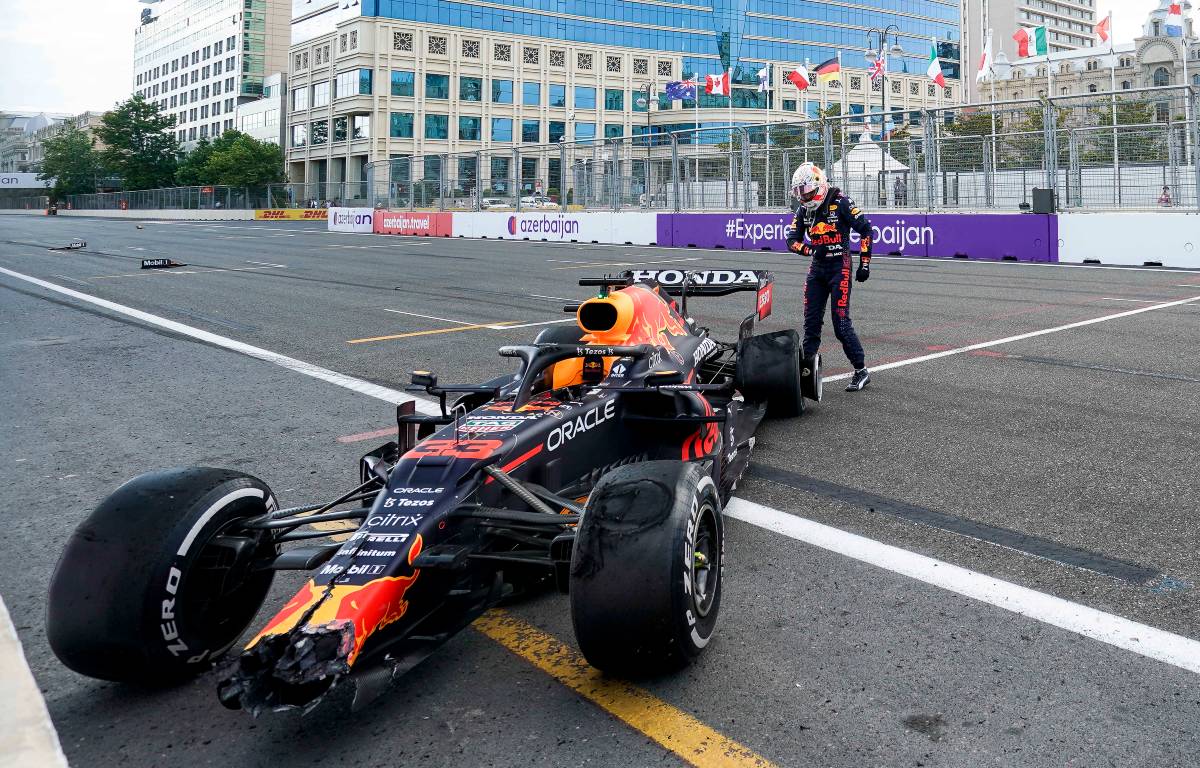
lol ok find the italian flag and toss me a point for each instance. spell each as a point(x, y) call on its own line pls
point(935, 66)
point(1031, 41)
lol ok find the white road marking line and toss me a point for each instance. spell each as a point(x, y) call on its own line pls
point(73, 280)
point(430, 317)
point(1019, 337)
point(28, 737)
point(551, 298)
point(180, 272)
point(267, 264)
point(1117, 631)
point(292, 364)
point(1142, 639)
point(530, 325)
point(1134, 301)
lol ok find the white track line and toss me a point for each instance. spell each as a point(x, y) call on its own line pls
point(429, 317)
point(1108, 628)
point(291, 363)
point(1019, 337)
point(1142, 639)
point(28, 737)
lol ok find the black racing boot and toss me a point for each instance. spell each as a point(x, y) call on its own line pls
point(862, 377)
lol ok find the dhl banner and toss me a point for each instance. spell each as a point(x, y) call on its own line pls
point(292, 214)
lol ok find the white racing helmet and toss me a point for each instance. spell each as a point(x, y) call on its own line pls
point(809, 186)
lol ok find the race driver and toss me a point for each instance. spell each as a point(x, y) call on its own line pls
point(821, 230)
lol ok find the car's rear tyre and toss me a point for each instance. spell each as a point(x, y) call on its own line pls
point(160, 579)
point(769, 371)
point(645, 579)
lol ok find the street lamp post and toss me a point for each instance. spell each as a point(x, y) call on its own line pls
point(893, 32)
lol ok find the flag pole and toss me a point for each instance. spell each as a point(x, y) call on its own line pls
point(1112, 76)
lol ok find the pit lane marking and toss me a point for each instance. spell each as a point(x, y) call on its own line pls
point(671, 728)
point(1117, 631)
point(1019, 337)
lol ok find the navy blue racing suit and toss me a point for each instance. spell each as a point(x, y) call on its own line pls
point(824, 234)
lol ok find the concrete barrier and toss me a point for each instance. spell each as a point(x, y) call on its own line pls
point(414, 223)
point(354, 220)
point(205, 215)
point(556, 226)
point(1131, 239)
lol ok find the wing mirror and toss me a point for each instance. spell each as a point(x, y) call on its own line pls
point(424, 379)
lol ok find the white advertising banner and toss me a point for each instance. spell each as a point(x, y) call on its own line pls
point(351, 220)
point(21, 181)
point(556, 226)
point(1120, 238)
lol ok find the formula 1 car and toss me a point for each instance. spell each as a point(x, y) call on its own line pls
point(602, 466)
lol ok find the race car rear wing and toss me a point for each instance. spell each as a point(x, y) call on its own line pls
point(708, 282)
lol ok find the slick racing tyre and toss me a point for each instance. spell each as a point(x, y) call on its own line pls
point(645, 580)
point(160, 579)
point(769, 370)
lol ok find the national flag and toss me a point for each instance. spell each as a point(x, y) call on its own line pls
point(1175, 21)
point(717, 85)
point(986, 64)
point(678, 90)
point(828, 70)
point(1031, 41)
point(800, 78)
point(1104, 29)
point(878, 68)
point(764, 79)
point(935, 66)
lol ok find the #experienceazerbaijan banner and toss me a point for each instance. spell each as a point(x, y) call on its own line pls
point(1025, 237)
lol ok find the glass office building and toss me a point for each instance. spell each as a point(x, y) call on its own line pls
point(452, 76)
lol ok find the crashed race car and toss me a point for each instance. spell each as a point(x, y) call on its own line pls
point(601, 466)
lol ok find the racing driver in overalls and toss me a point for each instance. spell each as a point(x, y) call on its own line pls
point(821, 230)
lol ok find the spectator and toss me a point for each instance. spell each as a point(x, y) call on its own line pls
point(1165, 198)
point(900, 191)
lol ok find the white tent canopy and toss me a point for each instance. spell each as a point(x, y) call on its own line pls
point(866, 160)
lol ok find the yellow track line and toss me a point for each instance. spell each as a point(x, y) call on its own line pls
point(673, 729)
point(489, 326)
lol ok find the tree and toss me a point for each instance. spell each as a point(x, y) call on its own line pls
point(72, 162)
point(233, 159)
point(140, 144)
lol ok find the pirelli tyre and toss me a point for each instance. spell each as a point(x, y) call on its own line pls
point(770, 370)
point(645, 578)
point(161, 579)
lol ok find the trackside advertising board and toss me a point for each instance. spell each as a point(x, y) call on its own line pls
point(556, 226)
point(414, 223)
point(291, 214)
point(358, 220)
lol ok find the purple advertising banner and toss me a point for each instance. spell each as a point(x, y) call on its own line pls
point(1024, 237)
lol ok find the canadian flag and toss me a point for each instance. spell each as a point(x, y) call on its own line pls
point(717, 85)
point(1104, 28)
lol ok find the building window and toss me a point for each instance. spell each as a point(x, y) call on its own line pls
point(1126, 85)
point(437, 127)
point(341, 46)
point(501, 52)
point(614, 100)
point(585, 97)
point(558, 129)
point(403, 82)
point(502, 91)
point(531, 132)
point(470, 49)
point(437, 87)
point(558, 58)
point(502, 129)
point(641, 66)
point(587, 131)
point(612, 63)
point(583, 61)
point(469, 128)
point(1161, 77)
point(437, 45)
point(558, 95)
point(470, 88)
point(320, 96)
point(789, 105)
point(356, 82)
point(402, 41)
point(529, 55)
point(531, 94)
point(341, 128)
point(1092, 88)
point(361, 126)
point(318, 132)
point(354, 39)
point(400, 125)
point(665, 69)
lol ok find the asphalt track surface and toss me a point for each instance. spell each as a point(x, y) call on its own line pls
point(1064, 462)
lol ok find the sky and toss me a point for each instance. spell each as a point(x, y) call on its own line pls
point(76, 55)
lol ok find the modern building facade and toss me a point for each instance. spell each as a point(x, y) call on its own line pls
point(265, 118)
point(200, 59)
point(1153, 59)
point(1070, 25)
point(381, 79)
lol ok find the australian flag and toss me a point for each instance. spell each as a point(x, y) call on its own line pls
point(681, 89)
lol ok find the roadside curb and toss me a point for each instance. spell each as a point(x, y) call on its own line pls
point(28, 739)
